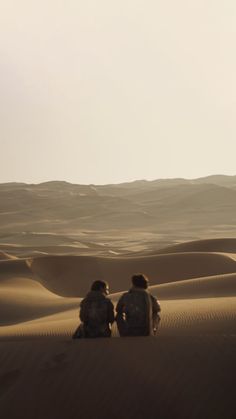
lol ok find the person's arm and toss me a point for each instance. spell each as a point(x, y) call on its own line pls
point(121, 322)
point(156, 308)
point(111, 316)
point(120, 307)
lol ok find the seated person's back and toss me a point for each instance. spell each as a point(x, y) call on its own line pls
point(97, 311)
point(137, 310)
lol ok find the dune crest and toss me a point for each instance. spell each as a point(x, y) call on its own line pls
point(71, 275)
point(224, 245)
point(6, 256)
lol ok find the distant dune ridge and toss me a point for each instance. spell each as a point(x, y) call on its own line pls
point(50, 254)
point(42, 217)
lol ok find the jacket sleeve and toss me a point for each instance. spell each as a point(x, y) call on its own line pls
point(111, 316)
point(120, 306)
point(156, 308)
point(121, 322)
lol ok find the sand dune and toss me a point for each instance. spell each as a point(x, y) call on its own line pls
point(24, 299)
point(62, 323)
point(227, 245)
point(211, 286)
point(11, 268)
point(40, 296)
point(71, 276)
point(205, 316)
point(6, 256)
point(217, 286)
point(185, 372)
point(192, 317)
point(161, 377)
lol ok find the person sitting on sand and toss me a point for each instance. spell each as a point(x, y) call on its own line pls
point(96, 312)
point(137, 310)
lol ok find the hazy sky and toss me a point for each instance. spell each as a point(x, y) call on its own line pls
point(101, 91)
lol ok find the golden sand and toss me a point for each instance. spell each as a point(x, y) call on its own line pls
point(187, 371)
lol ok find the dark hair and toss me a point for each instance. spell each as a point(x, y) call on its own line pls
point(98, 285)
point(140, 281)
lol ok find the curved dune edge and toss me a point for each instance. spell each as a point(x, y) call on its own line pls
point(71, 276)
point(25, 299)
point(207, 287)
point(225, 245)
point(39, 297)
point(193, 317)
point(6, 256)
point(14, 268)
point(27, 308)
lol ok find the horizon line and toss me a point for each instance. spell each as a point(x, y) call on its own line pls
point(117, 183)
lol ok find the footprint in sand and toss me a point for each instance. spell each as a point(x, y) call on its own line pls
point(7, 380)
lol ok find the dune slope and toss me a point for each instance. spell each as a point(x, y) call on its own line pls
point(206, 287)
point(226, 245)
point(72, 275)
point(24, 299)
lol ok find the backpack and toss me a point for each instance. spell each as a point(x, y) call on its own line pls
point(96, 318)
point(134, 314)
point(95, 311)
point(135, 309)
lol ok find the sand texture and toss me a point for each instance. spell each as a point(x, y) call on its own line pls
point(187, 371)
point(56, 238)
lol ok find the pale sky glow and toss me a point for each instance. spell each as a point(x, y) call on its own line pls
point(110, 91)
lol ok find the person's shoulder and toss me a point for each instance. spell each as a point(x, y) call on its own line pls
point(108, 301)
point(154, 299)
point(124, 295)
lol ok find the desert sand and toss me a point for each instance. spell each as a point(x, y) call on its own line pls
point(186, 371)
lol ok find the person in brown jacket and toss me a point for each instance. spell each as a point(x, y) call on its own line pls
point(137, 310)
point(96, 313)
